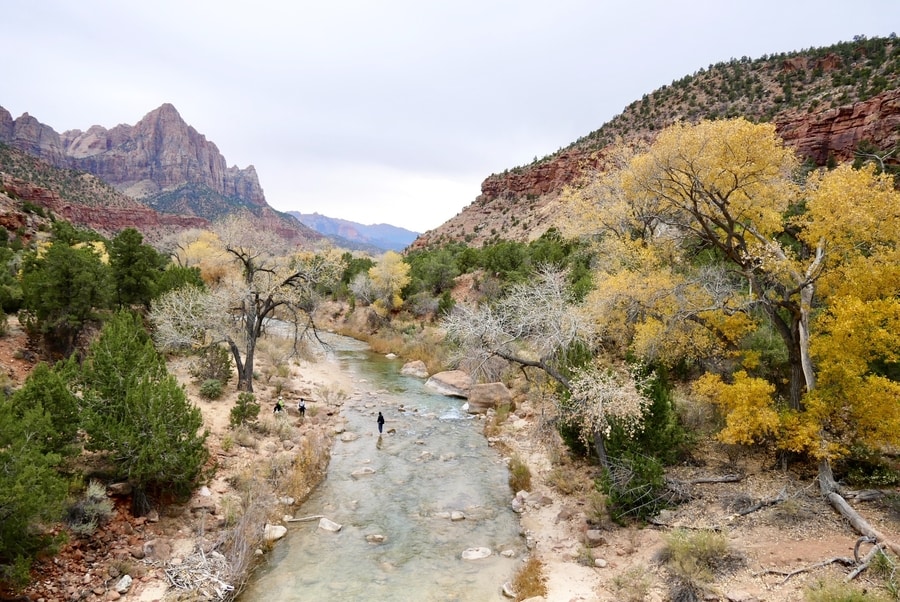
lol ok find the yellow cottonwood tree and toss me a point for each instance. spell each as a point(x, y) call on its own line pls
point(388, 277)
point(717, 238)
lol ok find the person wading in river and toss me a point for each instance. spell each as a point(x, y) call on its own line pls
point(380, 422)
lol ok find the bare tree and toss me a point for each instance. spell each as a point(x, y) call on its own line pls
point(269, 285)
point(535, 326)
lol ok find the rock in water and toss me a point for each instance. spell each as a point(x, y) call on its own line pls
point(329, 525)
point(476, 553)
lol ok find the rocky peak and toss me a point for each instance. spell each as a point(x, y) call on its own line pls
point(160, 161)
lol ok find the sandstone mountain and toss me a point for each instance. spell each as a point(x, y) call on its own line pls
point(161, 161)
point(375, 238)
point(831, 104)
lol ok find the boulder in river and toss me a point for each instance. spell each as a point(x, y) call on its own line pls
point(453, 383)
point(476, 553)
point(415, 368)
point(327, 524)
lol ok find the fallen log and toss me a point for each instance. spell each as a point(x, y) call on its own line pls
point(305, 519)
point(860, 524)
point(818, 565)
point(765, 503)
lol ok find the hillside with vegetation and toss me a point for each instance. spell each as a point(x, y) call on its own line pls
point(834, 103)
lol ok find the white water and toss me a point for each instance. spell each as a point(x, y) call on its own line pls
point(435, 463)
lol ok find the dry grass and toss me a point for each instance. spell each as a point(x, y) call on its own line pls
point(529, 581)
point(633, 585)
point(409, 341)
point(693, 559)
point(519, 475)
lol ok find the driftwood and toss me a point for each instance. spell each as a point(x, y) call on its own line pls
point(305, 519)
point(728, 478)
point(863, 564)
point(765, 503)
point(860, 524)
point(818, 565)
point(205, 575)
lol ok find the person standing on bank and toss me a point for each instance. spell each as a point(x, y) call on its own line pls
point(301, 407)
point(380, 422)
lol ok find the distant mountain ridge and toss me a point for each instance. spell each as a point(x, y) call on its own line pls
point(161, 161)
point(826, 103)
point(383, 237)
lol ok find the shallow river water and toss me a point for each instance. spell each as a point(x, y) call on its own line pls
point(435, 462)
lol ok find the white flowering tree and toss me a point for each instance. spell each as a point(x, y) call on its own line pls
point(536, 325)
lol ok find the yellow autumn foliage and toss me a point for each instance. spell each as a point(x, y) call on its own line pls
point(746, 404)
point(708, 235)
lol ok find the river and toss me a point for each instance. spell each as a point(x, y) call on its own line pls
point(431, 464)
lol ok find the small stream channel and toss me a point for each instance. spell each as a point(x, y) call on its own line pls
point(436, 462)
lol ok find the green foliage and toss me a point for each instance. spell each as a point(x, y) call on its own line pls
point(47, 392)
point(445, 304)
point(68, 235)
point(31, 491)
point(662, 436)
point(176, 276)
point(135, 268)
point(213, 362)
point(432, 271)
point(865, 468)
point(635, 488)
point(158, 447)
point(62, 292)
point(10, 287)
point(121, 355)
point(211, 388)
point(139, 414)
point(245, 410)
point(354, 265)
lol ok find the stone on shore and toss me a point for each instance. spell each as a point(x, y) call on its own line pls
point(488, 396)
point(273, 533)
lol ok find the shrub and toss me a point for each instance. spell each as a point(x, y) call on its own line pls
point(92, 510)
point(245, 410)
point(693, 558)
point(635, 488)
point(828, 591)
point(519, 475)
point(211, 389)
point(31, 493)
point(633, 585)
point(212, 362)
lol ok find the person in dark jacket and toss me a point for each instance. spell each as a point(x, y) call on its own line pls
point(380, 422)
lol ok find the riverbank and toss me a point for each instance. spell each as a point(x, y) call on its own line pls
point(610, 563)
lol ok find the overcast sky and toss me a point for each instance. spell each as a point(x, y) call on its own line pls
point(386, 111)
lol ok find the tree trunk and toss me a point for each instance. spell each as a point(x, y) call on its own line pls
point(600, 448)
point(831, 490)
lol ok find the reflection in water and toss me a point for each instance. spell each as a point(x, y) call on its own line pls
point(396, 499)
